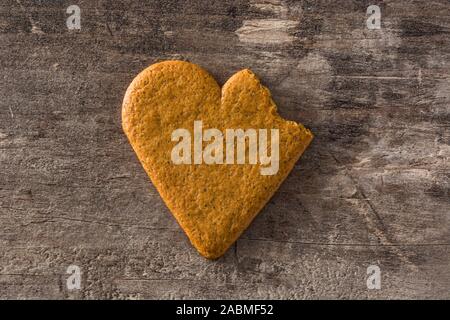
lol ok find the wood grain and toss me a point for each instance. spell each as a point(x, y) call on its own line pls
point(373, 188)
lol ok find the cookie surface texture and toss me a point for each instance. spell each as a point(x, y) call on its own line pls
point(213, 203)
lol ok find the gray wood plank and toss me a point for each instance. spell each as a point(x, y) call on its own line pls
point(373, 188)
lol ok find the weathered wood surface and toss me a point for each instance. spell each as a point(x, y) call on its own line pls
point(373, 188)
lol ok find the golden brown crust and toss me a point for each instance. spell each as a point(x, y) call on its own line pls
point(213, 204)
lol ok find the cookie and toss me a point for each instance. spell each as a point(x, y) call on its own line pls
point(203, 147)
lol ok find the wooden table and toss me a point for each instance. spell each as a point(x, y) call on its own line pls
point(372, 189)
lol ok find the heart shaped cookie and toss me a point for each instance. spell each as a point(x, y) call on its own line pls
point(215, 155)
